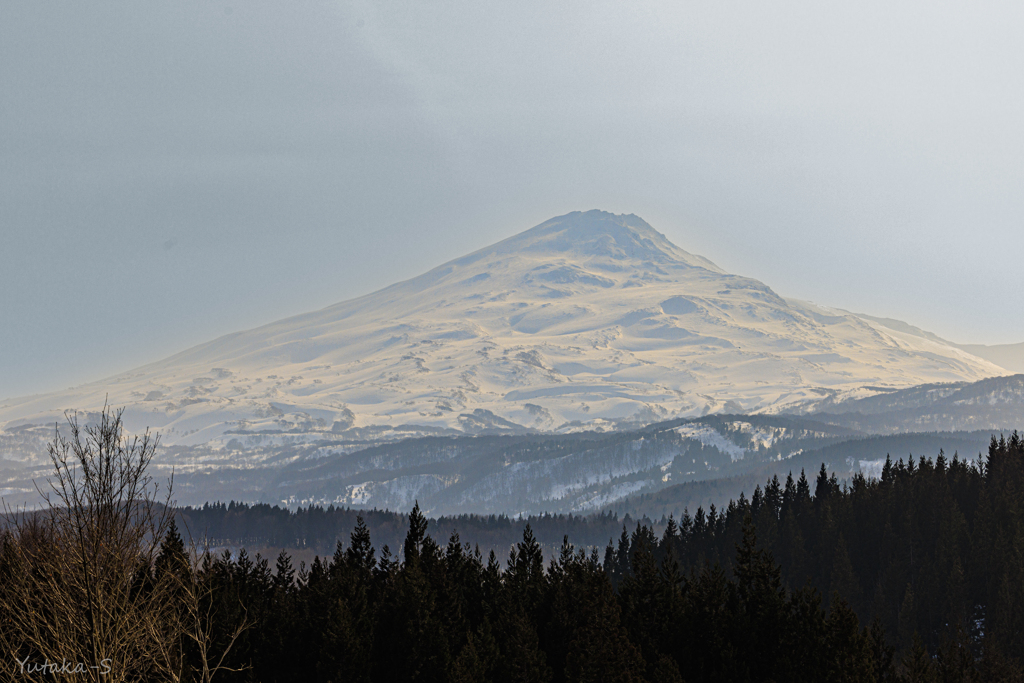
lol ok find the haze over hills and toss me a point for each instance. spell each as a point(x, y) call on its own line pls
point(587, 320)
point(484, 385)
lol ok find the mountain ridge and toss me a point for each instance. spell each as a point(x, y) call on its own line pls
point(588, 319)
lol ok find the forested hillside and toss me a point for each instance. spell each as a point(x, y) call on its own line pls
point(914, 576)
point(778, 586)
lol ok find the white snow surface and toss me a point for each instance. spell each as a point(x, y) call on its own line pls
point(587, 319)
point(711, 437)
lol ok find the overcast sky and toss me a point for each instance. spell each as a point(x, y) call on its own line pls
point(174, 171)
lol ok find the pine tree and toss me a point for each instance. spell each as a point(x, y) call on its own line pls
point(172, 558)
point(882, 654)
point(850, 656)
point(843, 580)
point(416, 535)
point(762, 610)
point(917, 665)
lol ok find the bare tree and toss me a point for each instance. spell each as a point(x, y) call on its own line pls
point(190, 627)
point(80, 593)
point(80, 589)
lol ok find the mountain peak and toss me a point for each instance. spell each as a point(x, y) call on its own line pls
point(596, 235)
point(586, 319)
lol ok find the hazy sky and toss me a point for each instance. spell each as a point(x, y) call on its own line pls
point(174, 171)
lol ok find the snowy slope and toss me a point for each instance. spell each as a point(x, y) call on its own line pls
point(587, 320)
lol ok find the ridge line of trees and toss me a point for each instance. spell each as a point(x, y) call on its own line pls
point(916, 576)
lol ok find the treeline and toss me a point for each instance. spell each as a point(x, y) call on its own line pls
point(445, 613)
point(319, 528)
point(933, 549)
point(916, 576)
point(930, 556)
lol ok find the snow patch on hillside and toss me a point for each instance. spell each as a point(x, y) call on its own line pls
point(711, 437)
point(589, 321)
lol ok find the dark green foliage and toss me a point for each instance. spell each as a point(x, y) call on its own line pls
point(931, 554)
point(443, 614)
point(172, 557)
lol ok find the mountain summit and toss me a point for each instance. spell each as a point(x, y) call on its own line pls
point(597, 237)
point(585, 321)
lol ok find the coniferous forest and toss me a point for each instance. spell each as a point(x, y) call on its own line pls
point(916, 576)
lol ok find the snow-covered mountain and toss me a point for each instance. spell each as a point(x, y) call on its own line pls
point(586, 321)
